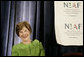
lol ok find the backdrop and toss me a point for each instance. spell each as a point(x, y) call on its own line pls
point(40, 15)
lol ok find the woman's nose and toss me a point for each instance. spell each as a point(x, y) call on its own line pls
point(23, 33)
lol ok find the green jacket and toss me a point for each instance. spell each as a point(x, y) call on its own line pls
point(35, 48)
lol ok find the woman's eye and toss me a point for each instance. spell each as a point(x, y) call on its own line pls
point(21, 32)
point(25, 30)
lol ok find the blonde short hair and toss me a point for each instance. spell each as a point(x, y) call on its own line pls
point(20, 25)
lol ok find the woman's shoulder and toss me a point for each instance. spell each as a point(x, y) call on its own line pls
point(36, 42)
point(16, 46)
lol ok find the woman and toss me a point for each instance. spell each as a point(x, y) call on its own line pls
point(27, 47)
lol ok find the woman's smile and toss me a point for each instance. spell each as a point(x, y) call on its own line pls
point(24, 36)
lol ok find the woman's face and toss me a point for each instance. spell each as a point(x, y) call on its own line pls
point(24, 34)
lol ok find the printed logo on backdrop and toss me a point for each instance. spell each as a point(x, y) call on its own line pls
point(69, 22)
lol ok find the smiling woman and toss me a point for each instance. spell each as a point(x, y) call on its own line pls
point(23, 30)
point(27, 47)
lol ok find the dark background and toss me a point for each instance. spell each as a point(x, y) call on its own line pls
point(43, 28)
